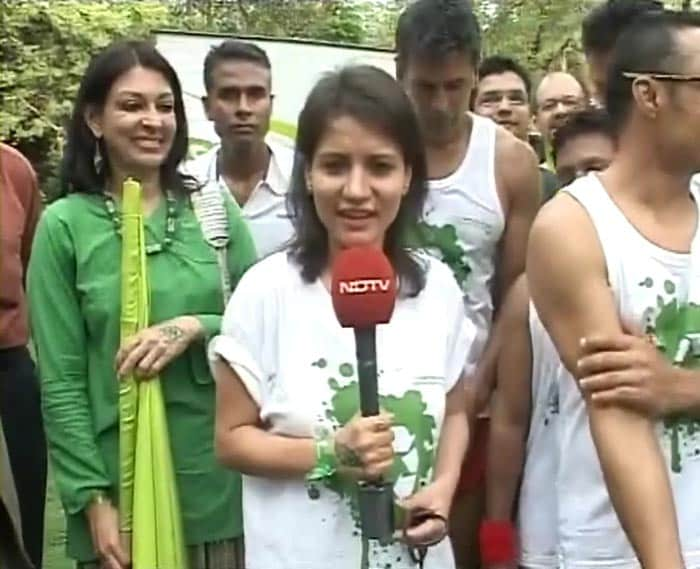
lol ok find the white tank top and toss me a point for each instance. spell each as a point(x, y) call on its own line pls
point(652, 288)
point(537, 509)
point(463, 222)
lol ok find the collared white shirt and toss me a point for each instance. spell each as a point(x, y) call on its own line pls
point(266, 210)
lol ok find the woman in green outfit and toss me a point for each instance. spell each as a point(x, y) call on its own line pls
point(129, 121)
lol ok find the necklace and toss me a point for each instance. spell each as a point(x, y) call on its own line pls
point(170, 217)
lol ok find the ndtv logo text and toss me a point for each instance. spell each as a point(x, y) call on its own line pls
point(361, 286)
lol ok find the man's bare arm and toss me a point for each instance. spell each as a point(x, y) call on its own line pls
point(568, 283)
point(510, 415)
point(518, 178)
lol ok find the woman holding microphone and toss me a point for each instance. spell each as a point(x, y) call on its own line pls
point(287, 387)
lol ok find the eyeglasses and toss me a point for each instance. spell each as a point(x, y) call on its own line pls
point(663, 77)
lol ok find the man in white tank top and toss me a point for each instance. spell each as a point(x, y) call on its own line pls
point(522, 445)
point(614, 256)
point(484, 188)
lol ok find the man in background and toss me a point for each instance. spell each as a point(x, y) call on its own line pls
point(585, 143)
point(250, 166)
point(503, 95)
point(483, 194)
point(20, 407)
point(558, 95)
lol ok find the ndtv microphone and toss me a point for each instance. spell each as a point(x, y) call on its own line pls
point(363, 289)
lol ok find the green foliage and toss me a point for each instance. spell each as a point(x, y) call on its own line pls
point(542, 34)
point(47, 43)
point(331, 20)
point(45, 48)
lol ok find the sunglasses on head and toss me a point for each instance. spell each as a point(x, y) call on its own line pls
point(677, 77)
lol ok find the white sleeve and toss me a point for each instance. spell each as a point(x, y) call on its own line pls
point(242, 340)
point(461, 356)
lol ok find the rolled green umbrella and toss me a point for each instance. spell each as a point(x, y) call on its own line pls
point(132, 271)
point(149, 506)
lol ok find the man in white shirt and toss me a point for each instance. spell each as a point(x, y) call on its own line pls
point(250, 166)
point(483, 194)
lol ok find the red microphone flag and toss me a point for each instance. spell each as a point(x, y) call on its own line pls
point(363, 287)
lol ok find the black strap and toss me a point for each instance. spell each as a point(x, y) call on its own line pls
point(418, 552)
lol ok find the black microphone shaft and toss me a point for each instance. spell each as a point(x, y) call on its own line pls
point(366, 350)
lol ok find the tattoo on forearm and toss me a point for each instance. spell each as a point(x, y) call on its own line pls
point(172, 333)
point(347, 457)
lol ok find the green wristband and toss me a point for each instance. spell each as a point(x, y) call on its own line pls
point(326, 462)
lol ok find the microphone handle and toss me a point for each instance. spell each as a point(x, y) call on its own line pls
point(366, 350)
point(376, 499)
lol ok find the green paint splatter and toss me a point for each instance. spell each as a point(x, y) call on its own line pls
point(669, 287)
point(673, 329)
point(444, 241)
point(321, 363)
point(410, 412)
point(346, 370)
point(647, 282)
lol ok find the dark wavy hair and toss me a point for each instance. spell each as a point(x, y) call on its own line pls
point(499, 64)
point(78, 172)
point(372, 97)
point(587, 121)
point(432, 29)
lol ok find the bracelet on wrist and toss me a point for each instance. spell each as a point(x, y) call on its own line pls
point(326, 462)
point(98, 497)
point(497, 542)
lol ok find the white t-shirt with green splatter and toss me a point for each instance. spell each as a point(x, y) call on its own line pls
point(658, 291)
point(537, 505)
point(282, 337)
point(463, 222)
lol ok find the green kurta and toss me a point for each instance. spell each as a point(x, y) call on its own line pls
point(74, 295)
